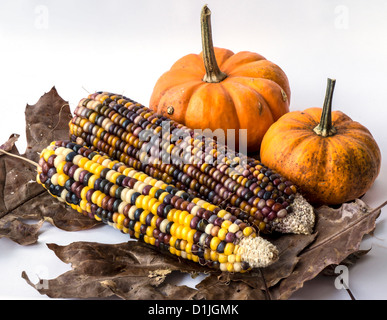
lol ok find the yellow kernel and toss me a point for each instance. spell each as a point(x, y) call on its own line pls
point(182, 216)
point(84, 191)
point(226, 224)
point(99, 199)
point(222, 258)
point(149, 231)
point(214, 243)
point(183, 244)
point(230, 267)
point(95, 196)
point(207, 254)
point(171, 214)
point(229, 248)
point(143, 216)
point(195, 200)
point(153, 221)
point(81, 162)
point(214, 256)
point(190, 235)
point(82, 204)
point(87, 165)
point(184, 233)
point(262, 226)
point(126, 171)
point(139, 201)
point(175, 217)
point(173, 229)
point(187, 220)
point(48, 153)
point(152, 240)
point(155, 206)
point(137, 226)
point(222, 233)
point(172, 241)
point(112, 190)
point(145, 202)
point(91, 181)
point(162, 196)
point(114, 177)
point(247, 231)
point(211, 207)
point(59, 167)
point(179, 230)
point(62, 178)
point(115, 217)
point(188, 248)
point(152, 191)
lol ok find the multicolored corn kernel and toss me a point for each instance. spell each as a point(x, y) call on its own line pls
point(150, 210)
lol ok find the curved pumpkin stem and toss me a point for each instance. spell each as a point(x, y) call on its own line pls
point(325, 128)
point(213, 73)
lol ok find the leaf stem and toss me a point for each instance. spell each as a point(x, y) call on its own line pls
point(19, 157)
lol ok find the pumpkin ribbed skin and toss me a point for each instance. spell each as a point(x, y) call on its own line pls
point(330, 170)
point(253, 96)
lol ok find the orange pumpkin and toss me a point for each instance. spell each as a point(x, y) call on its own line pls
point(218, 89)
point(332, 158)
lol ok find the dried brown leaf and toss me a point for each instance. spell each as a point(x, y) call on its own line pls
point(46, 121)
point(17, 179)
point(19, 231)
point(129, 270)
point(20, 196)
point(339, 234)
point(134, 270)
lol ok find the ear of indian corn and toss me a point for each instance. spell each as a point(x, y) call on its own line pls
point(150, 210)
point(127, 131)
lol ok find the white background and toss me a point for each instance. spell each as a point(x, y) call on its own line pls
point(124, 46)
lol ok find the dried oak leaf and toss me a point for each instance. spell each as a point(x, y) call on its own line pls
point(17, 179)
point(46, 121)
point(129, 270)
point(23, 198)
point(134, 270)
point(339, 234)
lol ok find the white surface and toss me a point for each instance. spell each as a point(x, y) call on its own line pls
point(124, 46)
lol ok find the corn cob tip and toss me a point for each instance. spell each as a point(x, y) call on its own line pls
point(300, 221)
point(257, 252)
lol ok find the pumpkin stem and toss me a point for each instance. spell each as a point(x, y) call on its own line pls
point(325, 128)
point(213, 73)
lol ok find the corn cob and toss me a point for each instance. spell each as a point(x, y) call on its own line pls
point(127, 131)
point(150, 210)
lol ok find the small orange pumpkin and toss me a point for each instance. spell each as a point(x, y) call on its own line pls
point(332, 158)
point(218, 89)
